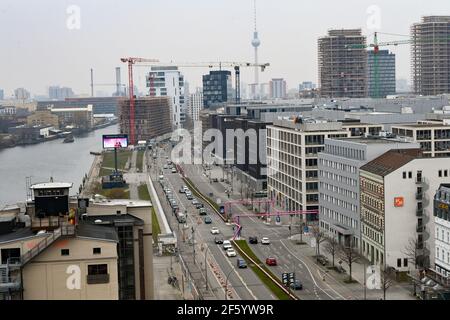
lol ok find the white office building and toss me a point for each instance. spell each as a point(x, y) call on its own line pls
point(195, 105)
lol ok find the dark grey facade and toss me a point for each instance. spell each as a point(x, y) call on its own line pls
point(216, 88)
point(381, 73)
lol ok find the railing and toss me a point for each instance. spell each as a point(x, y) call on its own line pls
point(42, 245)
point(419, 196)
point(419, 212)
point(420, 180)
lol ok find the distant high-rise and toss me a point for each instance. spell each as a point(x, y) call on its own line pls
point(21, 94)
point(277, 88)
point(430, 56)
point(2, 94)
point(169, 81)
point(382, 78)
point(195, 105)
point(217, 88)
point(343, 64)
point(59, 93)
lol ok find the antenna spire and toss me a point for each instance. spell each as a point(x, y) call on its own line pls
point(254, 7)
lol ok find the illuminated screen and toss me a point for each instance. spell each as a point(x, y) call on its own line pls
point(115, 141)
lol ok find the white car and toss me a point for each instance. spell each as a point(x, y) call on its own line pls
point(265, 240)
point(231, 253)
point(227, 245)
point(215, 230)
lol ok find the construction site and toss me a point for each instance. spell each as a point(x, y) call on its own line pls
point(343, 71)
point(430, 55)
point(151, 117)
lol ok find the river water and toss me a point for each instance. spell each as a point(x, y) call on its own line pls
point(65, 162)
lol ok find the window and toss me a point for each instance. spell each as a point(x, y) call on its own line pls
point(97, 251)
point(410, 175)
point(440, 173)
point(404, 175)
point(399, 263)
point(405, 262)
point(65, 252)
point(97, 269)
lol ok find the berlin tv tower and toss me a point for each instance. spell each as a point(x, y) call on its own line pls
point(256, 43)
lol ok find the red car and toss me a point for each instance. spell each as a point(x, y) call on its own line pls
point(271, 261)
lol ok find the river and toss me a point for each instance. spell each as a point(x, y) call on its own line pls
point(65, 162)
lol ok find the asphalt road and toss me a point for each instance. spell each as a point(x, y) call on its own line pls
point(245, 284)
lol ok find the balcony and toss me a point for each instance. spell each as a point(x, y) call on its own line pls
point(419, 212)
point(97, 278)
point(419, 196)
point(420, 228)
point(420, 180)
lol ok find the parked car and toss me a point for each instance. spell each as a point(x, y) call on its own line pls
point(227, 245)
point(218, 240)
point(165, 166)
point(231, 252)
point(174, 170)
point(215, 180)
point(194, 201)
point(271, 261)
point(207, 220)
point(296, 285)
point(189, 196)
point(265, 240)
point(181, 190)
point(253, 240)
point(199, 205)
point(241, 263)
point(202, 212)
point(322, 260)
point(214, 230)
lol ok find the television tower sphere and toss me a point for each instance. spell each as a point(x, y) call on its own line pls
point(256, 42)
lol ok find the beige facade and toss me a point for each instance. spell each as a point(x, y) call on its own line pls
point(43, 118)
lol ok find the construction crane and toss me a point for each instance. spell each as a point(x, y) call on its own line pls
point(376, 49)
point(131, 61)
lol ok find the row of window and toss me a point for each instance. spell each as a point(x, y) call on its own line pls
point(372, 186)
point(372, 202)
point(338, 178)
point(338, 166)
point(338, 217)
point(66, 252)
point(443, 235)
point(340, 203)
point(442, 255)
point(338, 190)
point(345, 152)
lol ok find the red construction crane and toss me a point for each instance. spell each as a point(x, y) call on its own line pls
point(131, 62)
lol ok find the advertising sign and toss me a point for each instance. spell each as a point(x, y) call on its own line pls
point(115, 141)
point(399, 202)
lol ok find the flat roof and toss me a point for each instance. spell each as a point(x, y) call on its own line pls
point(17, 234)
point(93, 231)
point(123, 202)
point(376, 140)
point(52, 185)
point(422, 125)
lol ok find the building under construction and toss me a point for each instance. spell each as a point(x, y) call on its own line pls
point(343, 64)
point(152, 117)
point(430, 56)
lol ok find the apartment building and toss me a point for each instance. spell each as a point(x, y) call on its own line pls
point(442, 233)
point(397, 191)
point(339, 187)
point(292, 161)
point(433, 136)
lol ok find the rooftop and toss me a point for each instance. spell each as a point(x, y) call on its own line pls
point(123, 202)
point(374, 140)
point(52, 185)
point(93, 231)
point(391, 161)
point(422, 125)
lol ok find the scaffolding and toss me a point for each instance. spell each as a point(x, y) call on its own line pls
point(343, 64)
point(152, 117)
point(430, 55)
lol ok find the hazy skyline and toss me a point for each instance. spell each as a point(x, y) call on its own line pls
point(39, 50)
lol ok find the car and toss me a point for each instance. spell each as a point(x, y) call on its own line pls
point(231, 252)
point(181, 190)
point(270, 261)
point(194, 201)
point(214, 230)
point(199, 205)
point(322, 260)
point(253, 240)
point(227, 245)
point(165, 166)
point(241, 264)
point(296, 285)
point(218, 240)
point(189, 197)
point(265, 240)
point(207, 220)
point(174, 170)
point(202, 212)
point(215, 180)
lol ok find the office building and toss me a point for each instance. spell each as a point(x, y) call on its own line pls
point(169, 82)
point(339, 189)
point(433, 136)
point(277, 89)
point(81, 117)
point(195, 105)
point(292, 161)
point(59, 93)
point(381, 73)
point(217, 88)
point(430, 55)
point(151, 118)
point(397, 192)
point(100, 105)
point(343, 64)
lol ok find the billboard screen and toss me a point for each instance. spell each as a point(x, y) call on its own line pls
point(115, 141)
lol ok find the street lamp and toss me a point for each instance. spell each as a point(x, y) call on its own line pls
point(206, 268)
point(226, 284)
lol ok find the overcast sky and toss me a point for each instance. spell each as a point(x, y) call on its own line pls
point(38, 49)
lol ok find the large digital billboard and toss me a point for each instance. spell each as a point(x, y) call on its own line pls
point(115, 141)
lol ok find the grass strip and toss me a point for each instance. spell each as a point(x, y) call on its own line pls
point(156, 228)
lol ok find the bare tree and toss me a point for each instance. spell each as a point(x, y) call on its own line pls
point(349, 256)
point(332, 247)
point(319, 237)
point(412, 252)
